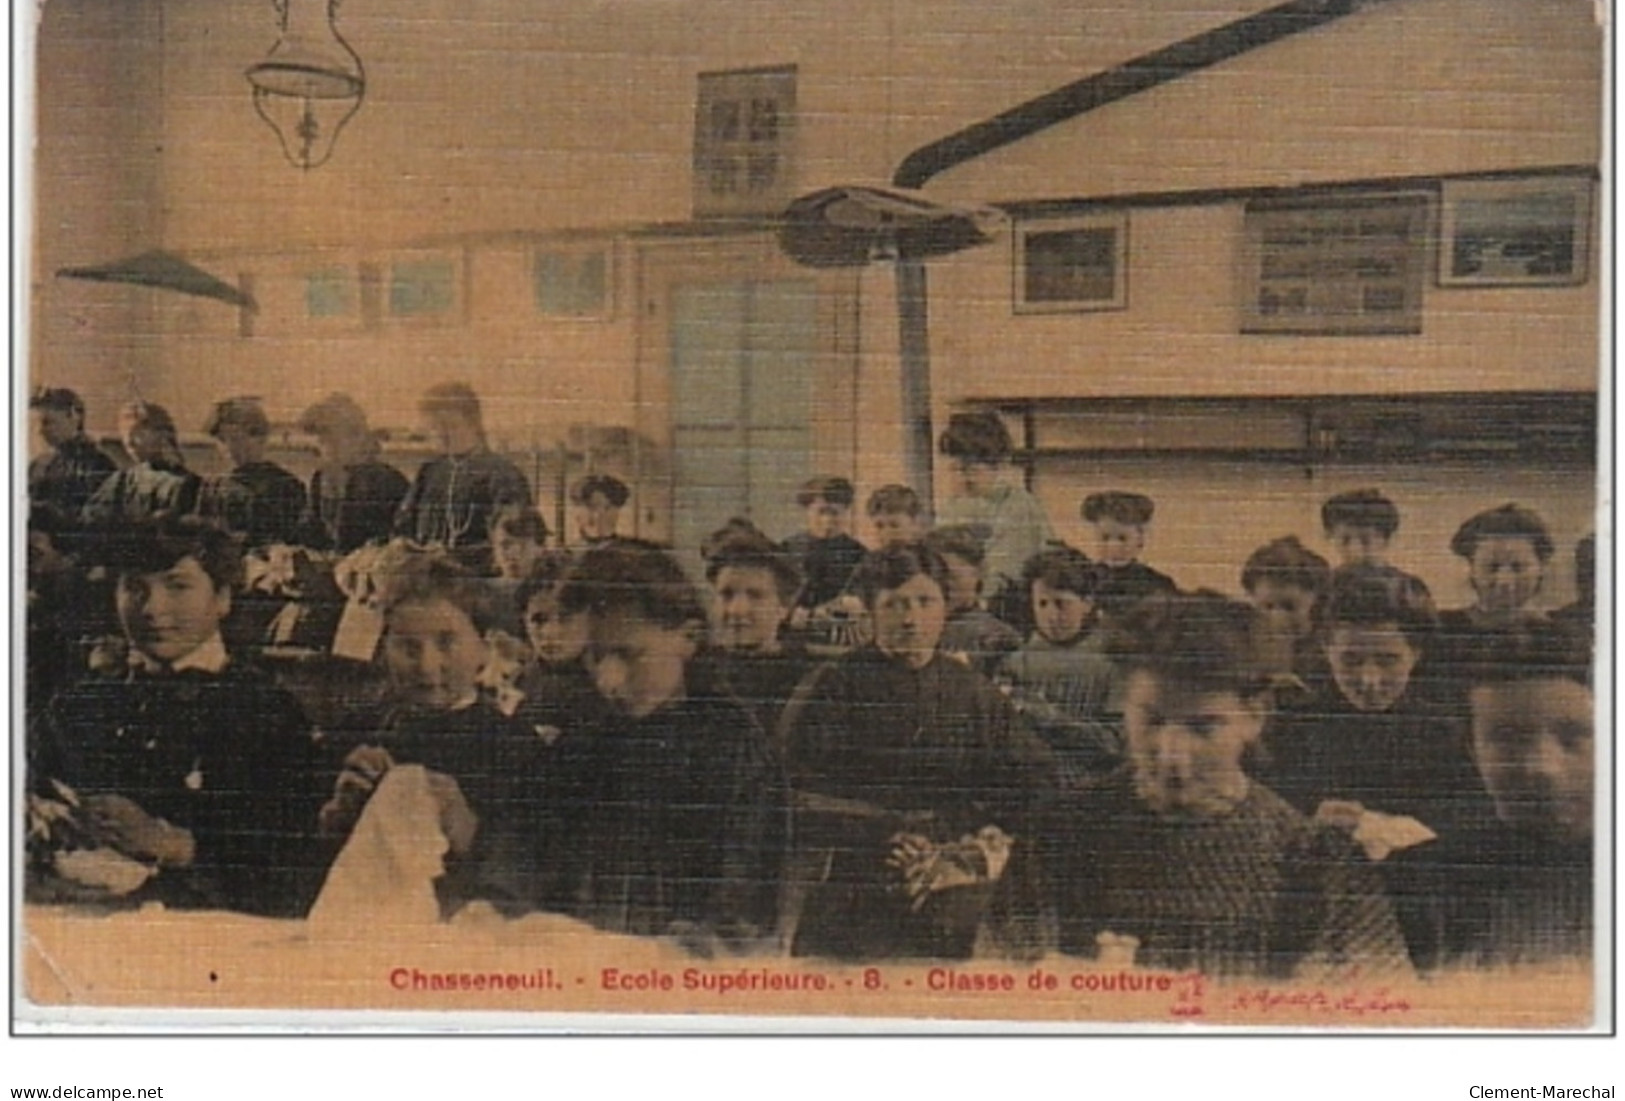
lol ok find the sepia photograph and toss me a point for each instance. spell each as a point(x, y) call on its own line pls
point(854, 515)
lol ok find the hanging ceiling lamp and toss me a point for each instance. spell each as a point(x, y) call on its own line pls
point(310, 84)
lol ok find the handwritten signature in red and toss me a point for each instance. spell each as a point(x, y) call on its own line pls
point(1352, 1003)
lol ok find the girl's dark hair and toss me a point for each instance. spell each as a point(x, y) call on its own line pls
point(836, 491)
point(614, 490)
point(547, 575)
point(1364, 595)
point(1065, 569)
point(1120, 506)
point(1202, 641)
point(1508, 521)
point(339, 415)
point(526, 523)
point(151, 416)
point(157, 543)
point(1531, 650)
point(889, 500)
point(1286, 561)
point(634, 578)
point(967, 541)
point(976, 438)
point(429, 576)
point(894, 567)
point(754, 551)
point(737, 527)
point(1360, 508)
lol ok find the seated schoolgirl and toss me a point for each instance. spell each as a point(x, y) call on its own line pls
point(1359, 524)
point(1368, 751)
point(486, 770)
point(915, 787)
point(458, 493)
point(559, 697)
point(1061, 680)
point(753, 590)
point(1186, 861)
point(1507, 551)
point(1518, 889)
point(897, 516)
point(182, 776)
point(1286, 582)
point(1121, 520)
point(672, 806)
point(598, 500)
point(156, 482)
point(982, 638)
point(518, 542)
point(825, 551)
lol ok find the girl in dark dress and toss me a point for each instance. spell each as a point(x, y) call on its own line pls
point(157, 482)
point(826, 552)
point(1184, 860)
point(1120, 520)
point(1506, 550)
point(487, 771)
point(258, 500)
point(1517, 889)
point(189, 771)
point(559, 697)
point(457, 495)
point(754, 585)
point(1369, 741)
point(668, 809)
point(353, 495)
point(1286, 584)
point(915, 787)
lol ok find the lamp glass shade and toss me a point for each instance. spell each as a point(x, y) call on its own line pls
point(310, 84)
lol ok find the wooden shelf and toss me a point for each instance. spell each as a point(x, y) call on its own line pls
point(1212, 454)
point(1542, 427)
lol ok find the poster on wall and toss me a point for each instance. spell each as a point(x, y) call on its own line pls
point(949, 640)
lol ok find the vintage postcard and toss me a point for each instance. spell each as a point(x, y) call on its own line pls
point(845, 514)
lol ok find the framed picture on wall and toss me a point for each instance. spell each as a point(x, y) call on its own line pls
point(1515, 232)
point(575, 283)
point(744, 141)
point(1334, 265)
point(332, 296)
point(1066, 265)
point(425, 288)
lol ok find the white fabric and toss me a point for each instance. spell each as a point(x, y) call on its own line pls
point(385, 873)
point(1382, 834)
point(359, 631)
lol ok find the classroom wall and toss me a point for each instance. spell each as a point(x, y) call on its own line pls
point(489, 115)
point(537, 375)
point(486, 117)
point(1180, 331)
point(95, 194)
point(1400, 88)
point(495, 114)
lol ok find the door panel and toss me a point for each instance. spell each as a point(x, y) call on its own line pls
point(783, 334)
point(709, 467)
point(746, 383)
point(708, 324)
point(742, 363)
